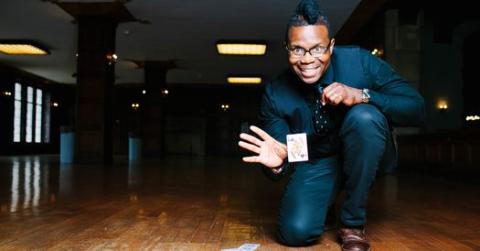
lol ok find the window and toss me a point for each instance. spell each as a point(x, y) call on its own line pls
point(29, 124)
point(17, 114)
point(38, 116)
point(46, 118)
point(34, 119)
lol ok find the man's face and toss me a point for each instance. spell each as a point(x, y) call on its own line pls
point(307, 67)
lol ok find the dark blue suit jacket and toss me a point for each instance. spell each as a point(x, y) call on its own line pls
point(285, 110)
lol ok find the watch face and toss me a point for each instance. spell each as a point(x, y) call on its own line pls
point(365, 96)
point(365, 93)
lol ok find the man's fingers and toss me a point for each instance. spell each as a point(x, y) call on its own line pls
point(251, 139)
point(334, 94)
point(328, 100)
point(338, 99)
point(330, 87)
point(334, 90)
point(249, 147)
point(327, 94)
point(260, 132)
point(251, 159)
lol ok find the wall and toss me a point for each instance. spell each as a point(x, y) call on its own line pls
point(426, 47)
point(442, 67)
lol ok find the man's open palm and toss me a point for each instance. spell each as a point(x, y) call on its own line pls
point(271, 153)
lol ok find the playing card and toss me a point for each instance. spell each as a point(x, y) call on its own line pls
point(248, 247)
point(297, 147)
point(244, 247)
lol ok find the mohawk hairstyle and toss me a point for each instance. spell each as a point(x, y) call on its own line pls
point(308, 13)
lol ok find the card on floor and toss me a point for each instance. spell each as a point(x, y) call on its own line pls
point(248, 247)
point(244, 247)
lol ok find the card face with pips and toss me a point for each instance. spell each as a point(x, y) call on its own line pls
point(297, 147)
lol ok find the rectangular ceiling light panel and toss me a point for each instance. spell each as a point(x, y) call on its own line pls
point(241, 49)
point(21, 49)
point(244, 80)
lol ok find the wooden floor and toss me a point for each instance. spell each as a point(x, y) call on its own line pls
point(208, 204)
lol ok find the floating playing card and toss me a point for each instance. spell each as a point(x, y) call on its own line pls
point(297, 147)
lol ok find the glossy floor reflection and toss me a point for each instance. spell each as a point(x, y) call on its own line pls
point(208, 204)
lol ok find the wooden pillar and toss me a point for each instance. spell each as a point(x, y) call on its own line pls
point(154, 111)
point(95, 79)
point(97, 23)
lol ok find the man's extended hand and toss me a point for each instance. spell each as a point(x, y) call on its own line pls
point(271, 153)
point(338, 93)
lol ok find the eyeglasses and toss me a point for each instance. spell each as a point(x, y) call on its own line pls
point(316, 51)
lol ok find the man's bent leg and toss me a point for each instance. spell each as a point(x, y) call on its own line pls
point(364, 134)
point(305, 202)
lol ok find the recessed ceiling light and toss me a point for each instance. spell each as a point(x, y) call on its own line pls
point(244, 80)
point(225, 107)
point(240, 48)
point(11, 47)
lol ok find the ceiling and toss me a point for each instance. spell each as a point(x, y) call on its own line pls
point(185, 31)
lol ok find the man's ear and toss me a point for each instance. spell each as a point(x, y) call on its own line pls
point(332, 44)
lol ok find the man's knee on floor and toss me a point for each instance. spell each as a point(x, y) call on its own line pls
point(365, 117)
point(298, 234)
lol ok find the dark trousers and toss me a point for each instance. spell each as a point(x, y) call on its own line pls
point(367, 144)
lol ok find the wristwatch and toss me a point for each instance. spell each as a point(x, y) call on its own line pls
point(365, 95)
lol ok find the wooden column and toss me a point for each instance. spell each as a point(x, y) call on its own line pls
point(97, 23)
point(154, 107)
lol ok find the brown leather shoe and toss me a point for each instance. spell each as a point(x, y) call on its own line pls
point(353, 239)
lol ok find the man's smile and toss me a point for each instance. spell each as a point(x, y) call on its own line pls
point(309, 72)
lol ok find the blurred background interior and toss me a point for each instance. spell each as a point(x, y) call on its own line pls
point(153, 70)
